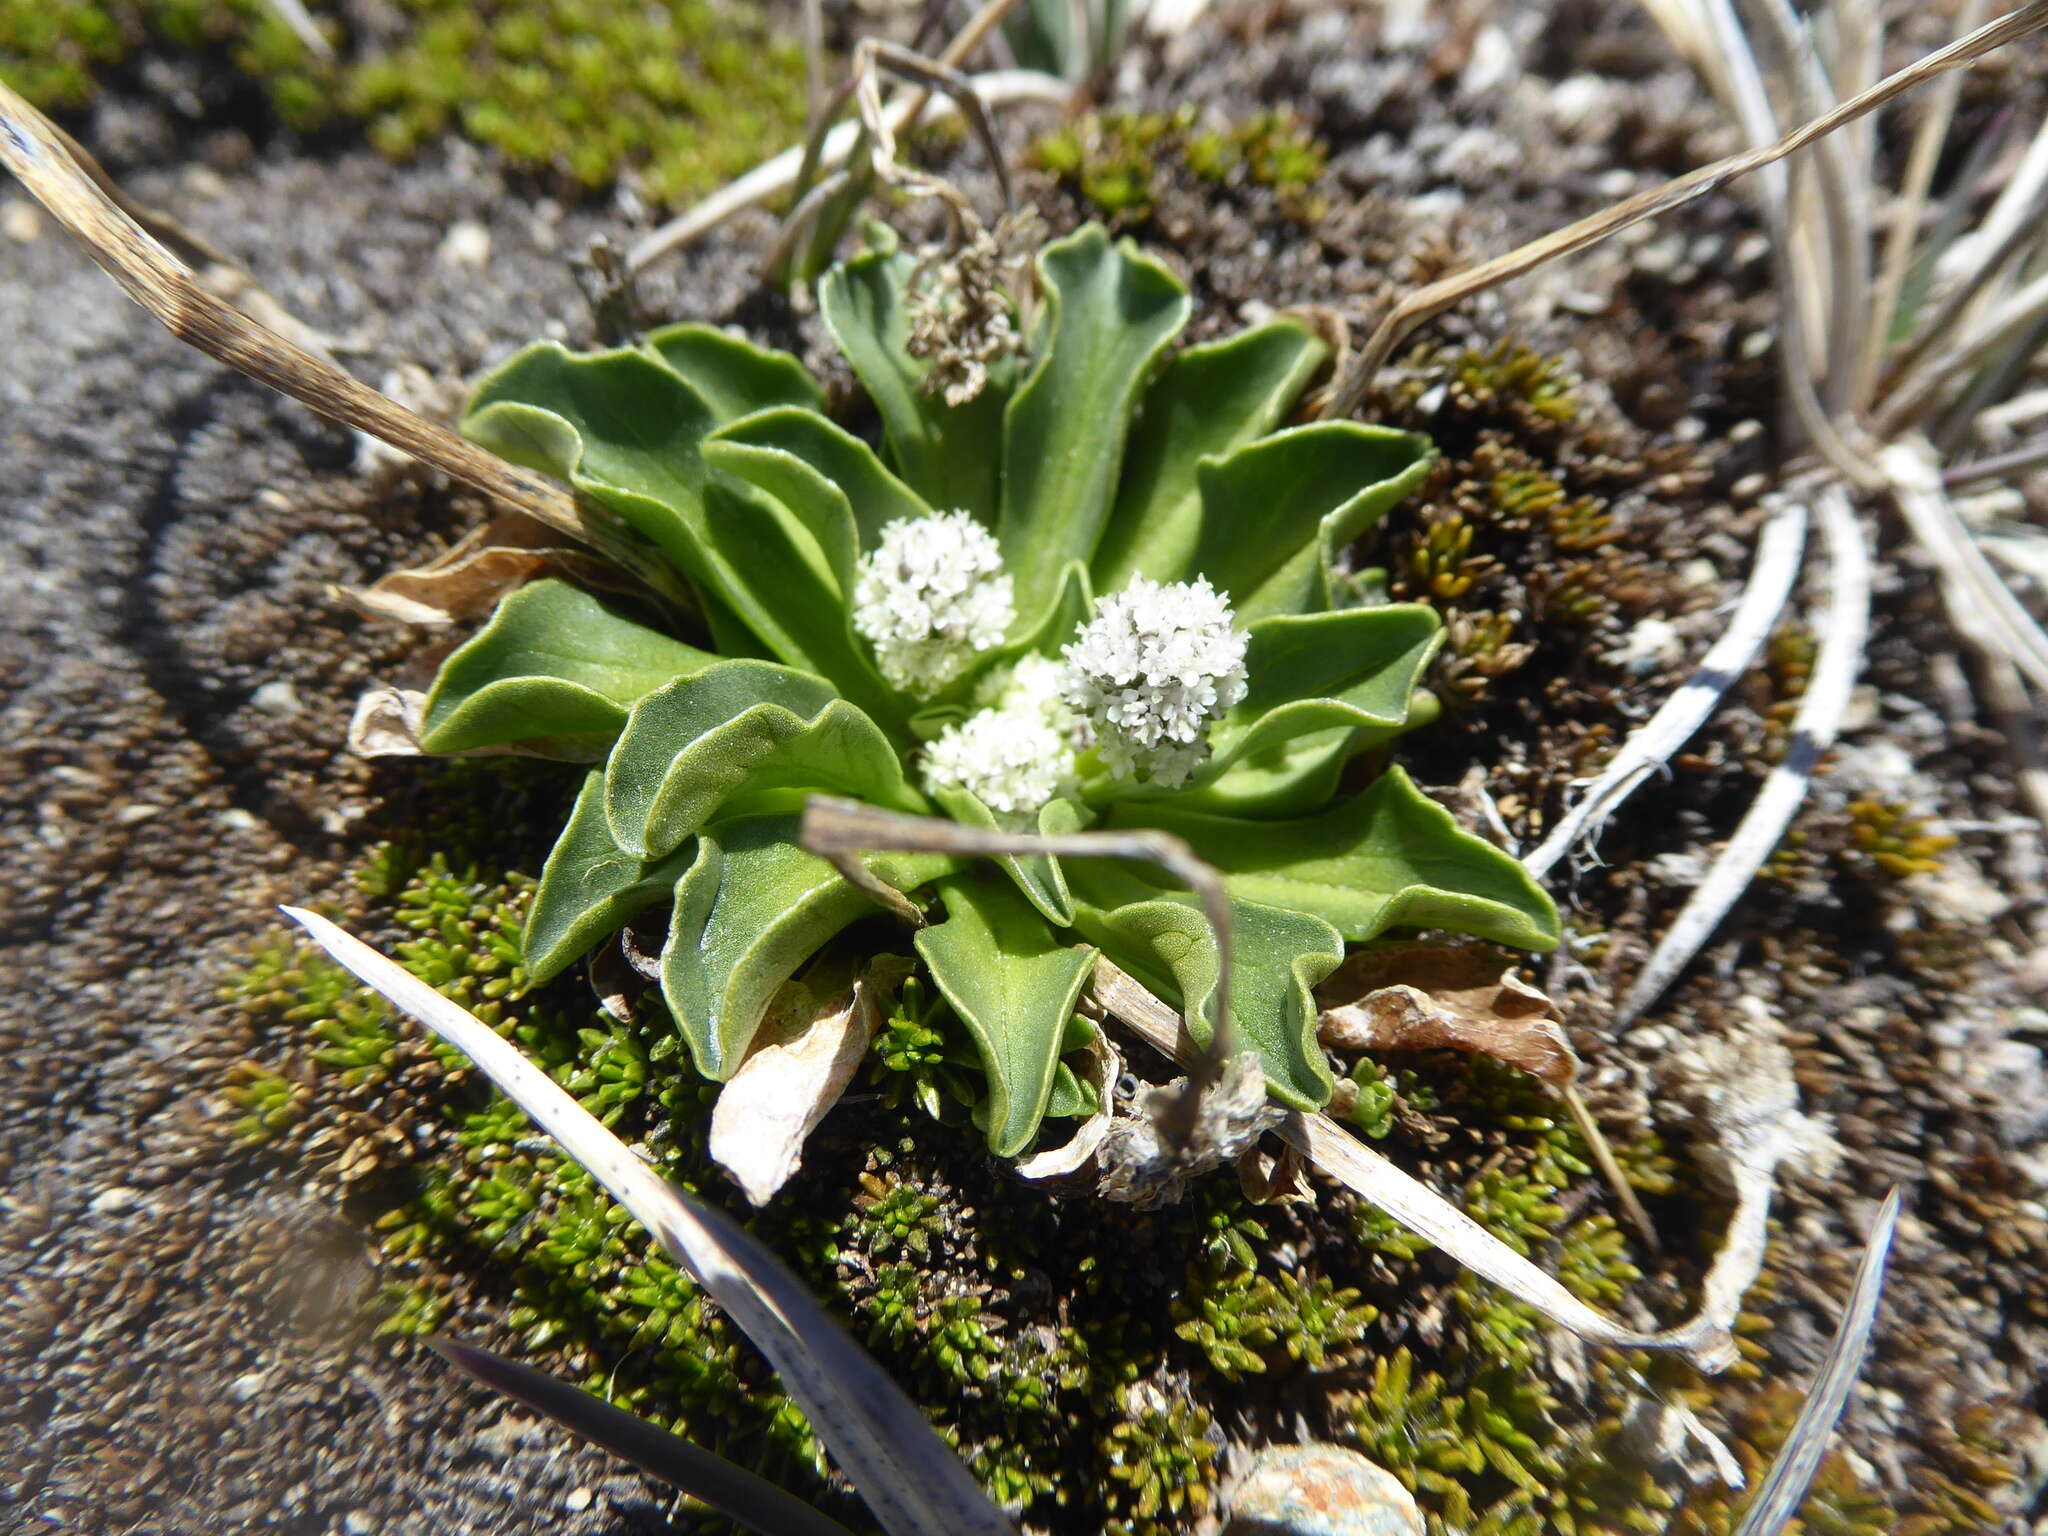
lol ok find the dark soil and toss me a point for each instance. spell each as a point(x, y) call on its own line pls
point(180, 1347)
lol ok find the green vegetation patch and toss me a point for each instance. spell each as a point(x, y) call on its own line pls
point(1123, 162)
point(683, 93)
point(1091, 1362)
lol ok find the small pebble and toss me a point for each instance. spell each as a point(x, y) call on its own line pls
point(579, 1500)
point(1320, 1490)
point(467, 244)
point(277, 698)
point(112, 1202)
point(21, 221)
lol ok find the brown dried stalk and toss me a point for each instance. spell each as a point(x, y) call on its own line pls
point(838, 830)
point(62, 178)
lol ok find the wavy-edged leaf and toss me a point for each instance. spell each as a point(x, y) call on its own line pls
point(735, 377)
point(1209, 401)
point(750, 909)
point(1278, 956)
point(827, 475)
point(553, 664)
point(590, 887)
point(1295, 778)
point(740, 728)
point(951, 455)
point(1109, 313)
point(1275, 513)
point(1038, 875)
point(627, 431)
point(1388, 857)
point(1013, 982)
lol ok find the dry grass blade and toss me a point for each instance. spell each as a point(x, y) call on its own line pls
point(40, 155)
point(1705, 1341)
point(1917, 395)
point(709, 1478)
point(794, 167)
point(1778, 551)
point(2002, 466)
point(1792, 1473)
point(1904, 226)
point(914, 1485)
point(1428, 302)
point(1836, 665)
point(838, 829)
point(780, 173)
point(1980, 604)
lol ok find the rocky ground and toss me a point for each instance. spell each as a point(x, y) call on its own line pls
point(181, 1346)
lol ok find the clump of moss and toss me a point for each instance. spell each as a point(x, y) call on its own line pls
point(683, 94)
point(1890, 837)
point(1122, 162)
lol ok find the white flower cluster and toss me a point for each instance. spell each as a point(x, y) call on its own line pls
point(1151, 671)
point(1017, 752)
point(930, 597)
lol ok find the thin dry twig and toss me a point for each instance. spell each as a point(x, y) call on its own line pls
point(1649, 747)
point(40, 156)
point(840, 829)
point(1839, 659)
point(914, 1485)
point(1432, 300)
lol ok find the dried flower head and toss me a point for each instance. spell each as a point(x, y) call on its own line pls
point(1017, 752)
point(1151, 671)
point(930, 597)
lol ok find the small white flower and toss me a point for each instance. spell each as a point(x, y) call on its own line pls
point(1014, 754)
point(1151, 671)
point(930, 597)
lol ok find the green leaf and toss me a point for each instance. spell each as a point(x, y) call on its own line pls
point(1014, 985)
point(626, 431)
point(1293, 778)
point(741, 728)
point(1388, 857)
point(951, 455)
point(1307, 673)
point(828, 477)
point(734, 376)
point(553, 665)
point(1276, 512)
point(590, 887)
point(1109, 313)
point(1210, 400)
point(751, 908)
point(1038, 875)
point(1073, 1097)
point(1278, 957)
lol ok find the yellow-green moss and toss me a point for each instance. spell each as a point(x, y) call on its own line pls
point(1083, 1359)
point(1121, 162)
point(684, 93)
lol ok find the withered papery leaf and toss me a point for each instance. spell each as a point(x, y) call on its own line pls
point(1458, 997)
point(768, 1110)
point(466, 581)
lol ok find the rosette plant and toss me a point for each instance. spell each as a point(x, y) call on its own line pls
point(1090, 585)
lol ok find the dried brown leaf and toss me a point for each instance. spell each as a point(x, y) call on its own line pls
point(768, 1110)
point(1457, 997)
point(466, 581)
point(1105, 1066)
